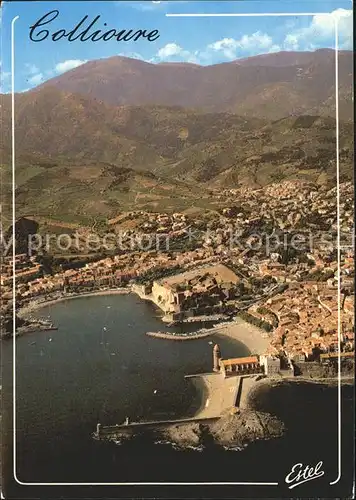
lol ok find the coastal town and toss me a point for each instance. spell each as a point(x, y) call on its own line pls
point(268, 256)
point(177, 249)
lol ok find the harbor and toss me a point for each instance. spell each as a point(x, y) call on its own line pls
point(221, 395)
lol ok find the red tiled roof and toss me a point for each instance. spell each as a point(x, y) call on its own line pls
point(239, 361)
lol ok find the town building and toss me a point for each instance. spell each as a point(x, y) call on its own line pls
point(240, 366)
point(199, 292)
point(270, 364)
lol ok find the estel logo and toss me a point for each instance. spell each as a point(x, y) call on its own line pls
point(300, 475)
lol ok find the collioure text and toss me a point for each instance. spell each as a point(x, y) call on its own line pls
point(84, 32)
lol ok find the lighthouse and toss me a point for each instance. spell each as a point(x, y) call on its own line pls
point(216, 358)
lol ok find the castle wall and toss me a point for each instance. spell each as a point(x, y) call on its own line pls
point(164, 298)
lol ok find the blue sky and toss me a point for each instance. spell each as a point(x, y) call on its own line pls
point(208, 40)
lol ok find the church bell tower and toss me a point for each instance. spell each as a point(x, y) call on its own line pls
point(216, 358)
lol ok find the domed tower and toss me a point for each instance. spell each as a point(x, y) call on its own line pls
point(216, 358)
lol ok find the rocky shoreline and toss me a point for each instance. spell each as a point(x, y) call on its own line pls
point(232, 430)
point(236, 428)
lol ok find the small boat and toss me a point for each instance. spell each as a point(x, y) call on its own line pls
point(108, 307)
point(155, 391)
point(104, 328)
point(50, 340)
point(112, 354)
point(33, 343)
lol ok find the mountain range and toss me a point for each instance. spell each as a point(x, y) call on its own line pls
point(117, 132)
point(268, 86)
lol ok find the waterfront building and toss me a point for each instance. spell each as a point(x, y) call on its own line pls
point(271, 364)
point(196, 292)
point(240, 366)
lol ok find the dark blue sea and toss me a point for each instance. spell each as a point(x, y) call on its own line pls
point(101, 367)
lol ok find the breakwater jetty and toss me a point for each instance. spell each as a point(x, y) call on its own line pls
point(219, 396)
point(181, 336)
point(35, 327)
point(28, 325)
point(205, 318)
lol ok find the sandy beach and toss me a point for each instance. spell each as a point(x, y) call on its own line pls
point(217, 393)
point(37, 305)
point(254, 338)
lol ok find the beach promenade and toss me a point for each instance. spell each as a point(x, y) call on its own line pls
point(255, 339)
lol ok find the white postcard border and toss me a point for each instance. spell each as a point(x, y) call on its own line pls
point(270, 14)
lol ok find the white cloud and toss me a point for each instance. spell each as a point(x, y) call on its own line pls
point(174, 52)
point(36, 79)
point(33, 74)
point(169, 50)
point(49, 73)
point(256, 43)
point(69, 64)
point(5, 75)
point(325, 25)
point(31, 69)
point(321, 32)
point(291, 42)
point(228, 46)
point(132, 55)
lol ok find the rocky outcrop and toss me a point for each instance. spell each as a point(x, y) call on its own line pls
point(245, 427)
point(231, 430)
point(187, 435)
